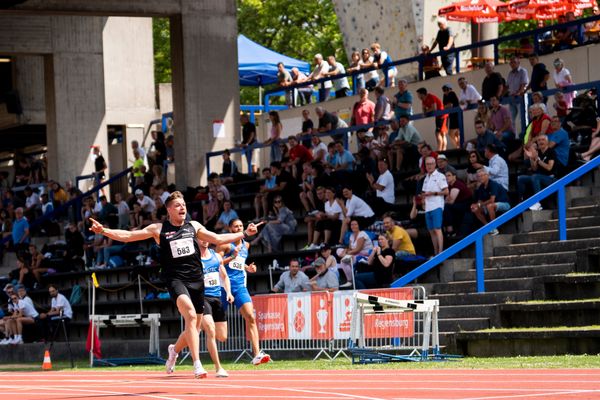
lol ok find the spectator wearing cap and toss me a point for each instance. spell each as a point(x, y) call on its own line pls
point(442, 164)
point(24, 313)
point(468, 94)
point(497, 167)
point(293, 280)
point(146, 203)
point(435, 188)
point(325, 279)
point(450, 100)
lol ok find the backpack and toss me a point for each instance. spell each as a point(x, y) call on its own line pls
point(75, 297)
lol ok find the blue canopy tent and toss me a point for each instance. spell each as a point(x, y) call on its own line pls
point(257, 65)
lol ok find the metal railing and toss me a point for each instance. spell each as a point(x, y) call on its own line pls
point(477, 236)
point(536, 33)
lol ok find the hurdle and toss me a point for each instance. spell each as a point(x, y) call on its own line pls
point(366, 304)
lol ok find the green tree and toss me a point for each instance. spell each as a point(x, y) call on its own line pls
point(161, 36)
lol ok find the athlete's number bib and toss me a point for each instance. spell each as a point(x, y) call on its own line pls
point(211, 279)
point(238, 263)
point(182, 247)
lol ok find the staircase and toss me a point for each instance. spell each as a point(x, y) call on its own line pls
point(542, 295)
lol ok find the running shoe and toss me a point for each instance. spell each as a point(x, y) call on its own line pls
point(221, 373)
point(494, 232)
point(200, 372)
point(170, 364)
point(261, 358)
point(536, 207)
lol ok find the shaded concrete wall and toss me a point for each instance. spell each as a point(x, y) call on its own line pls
point(29, 81)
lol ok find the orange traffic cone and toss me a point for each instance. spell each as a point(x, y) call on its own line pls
point(47, 364)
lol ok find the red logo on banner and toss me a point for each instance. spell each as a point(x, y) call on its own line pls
point(271, 316)
point(321, 315)
point(390, 325)
point(347, 312)
point(299, 318)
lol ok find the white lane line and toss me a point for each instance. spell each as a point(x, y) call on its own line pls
point(50, 391)
point(558, 393)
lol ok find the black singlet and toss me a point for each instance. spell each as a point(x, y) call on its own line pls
point(180, 253)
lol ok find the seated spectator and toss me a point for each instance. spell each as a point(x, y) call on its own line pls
point(560, 105)
point(380, 267)
point(299, 155)
point(405, 144)
point(36, 266)
point(325, 279)
point(593, 149)
point(285, 223)
point(456, 204)
point(443, 166)
point(160, 211)
point(425, 151)
point(356, 209)
point(60, 309)
point(484, 137)
point(359, 244)
point(318, 149)
point(74, 241)
point(543, 167)
point(468, 95)
point(450, 100)
point(216, 182)
point(558, 139)
point(497, 167)
point(230, 169)
point(24, 313)
point(399, 238)
point(563, 35)
point(500, 122)
point(261, 203)
point(483, 113)
point(329, 222)
point(285, 185)
point(385, 195)
point(228, 214)
point(108, 213)
point(122, 211)
point(307, 188)
point(32, 203)
point(539, 125)
point(344, 160)
point(490, 200)
point(312, 217)
point(58, 195)
point(435, 188)
point(212, 209)
point(293, 280)
point(538, 98)
point(145, 202)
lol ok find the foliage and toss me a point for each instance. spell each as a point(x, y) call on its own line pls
point(161, 36)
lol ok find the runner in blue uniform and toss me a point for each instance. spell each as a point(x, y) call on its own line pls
point(181, 268)
point(234, 257)
point(214, 322)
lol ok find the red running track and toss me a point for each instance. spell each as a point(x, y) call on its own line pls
point(566, 384)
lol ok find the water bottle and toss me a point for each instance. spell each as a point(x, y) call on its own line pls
point(275, 264)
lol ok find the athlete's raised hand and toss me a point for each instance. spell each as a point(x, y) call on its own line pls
point(251, 268)
point(96, 226)
point(252, 228)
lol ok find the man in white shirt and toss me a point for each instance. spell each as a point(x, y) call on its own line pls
point(340, 85)
point(384, 187)
point(318, 149)
point(60, 308)
point(123, 211)
point(145, 202)
point(293, 280)
point(435, 187)
point(320, 71)
point(24, 313)
point(356, 209)
point(497, 167)
point(32, 203)
point(468, 94)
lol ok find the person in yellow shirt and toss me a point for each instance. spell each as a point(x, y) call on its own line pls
point(399, 239)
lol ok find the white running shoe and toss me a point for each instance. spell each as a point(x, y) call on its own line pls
point(221, 373)
point(536, 207)
point(261, 358)
point(170, 364)
point(4, 342)
point(200, 372)
point(16, 340)
point(313, 247)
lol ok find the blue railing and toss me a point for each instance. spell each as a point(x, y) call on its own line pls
point(477, 236)
point(536, 33)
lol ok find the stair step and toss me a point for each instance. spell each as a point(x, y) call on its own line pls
point(467, 311)
point(575, 222)
point(517, 272)
point(491, 285)
point(577, 313)
point(483, 298)
point(531, 259)
point(552, 235)
point(544, 247)
point(463, 324)
point(580, 211)
point(586, 201)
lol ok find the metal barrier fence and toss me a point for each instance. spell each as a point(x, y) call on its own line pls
point(321, 322)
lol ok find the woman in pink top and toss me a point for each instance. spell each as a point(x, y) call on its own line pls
point(273, 140)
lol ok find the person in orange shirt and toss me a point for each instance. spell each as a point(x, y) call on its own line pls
point(431, 103)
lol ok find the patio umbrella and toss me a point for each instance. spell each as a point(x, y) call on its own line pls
point(534, 9)
point(474, 11)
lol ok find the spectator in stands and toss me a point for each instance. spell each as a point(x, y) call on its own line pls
point(431, 66)
point(399, 239)
point(215, 180)
point(558, 139)
point(159, 154)
point(457, 203)
point(356, 209)
point(539, 75)
point(170, 149)
point(359, 244)
point(327, 121)
point(564, 35)
point(560, 105)
point(60, 309)
point(450, 100)
point(517, 82)
point(493, 84)
point(275, 136)
point(402, 100)
point(445, 39)
point(228, 214)
point(32, 203)
point(58, 195)
point(497, 167)
point(20, 231)
point(211, 210)
point(108, 213)
point(261, 203)
point(325, 279)
point(431, 103)
point(135, 145)
point(318, 149)
point(435, 188)
point(562, 80)
point(382, 60)
point(468, 94)
point(229, 169)
point(385, 195)
point(442, 164)
point(538, 98)
point(160, 211)
point(321, 68)
point(484, 137)
point(284, 79)
point(380, 267)
point(293, 280)
point(305, 92)
point(490, 200)
point(594, 145)
point(99, 164)
point(406, 142)
point(158, 176)
point(136, 168)
point(122, 211)
point(329, 221)
point(383, 109)
point(248, 137)
point(500, 122)
point(145, 202)
point(22, 172)
point(425, 151)
point(539, 125)
point(344, 160)
point(24, 313)
point(285, 223)
point(340, 85)
point(299, 155)
point(543, 167)
point(355, 64)
point(483, 112)
point(74, 242)
point(285, 185)
point(363, 111)
point(371, 77)
point(311, 217)
point(23, 273)
point(593, 27)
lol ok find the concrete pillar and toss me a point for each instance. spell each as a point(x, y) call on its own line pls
point(205, 84)
point(74, 95)
point(487, 31)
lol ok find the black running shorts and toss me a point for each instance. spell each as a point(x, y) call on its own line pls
point(195, 291)
point(214, 307)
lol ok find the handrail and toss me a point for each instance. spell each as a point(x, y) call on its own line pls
point(71, 202)
point(419, 58)
point(477, 236)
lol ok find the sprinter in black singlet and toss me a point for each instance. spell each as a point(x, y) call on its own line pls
point(181, 268)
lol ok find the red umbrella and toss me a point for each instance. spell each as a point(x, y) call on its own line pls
point(534, 9)
point(474, 11)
